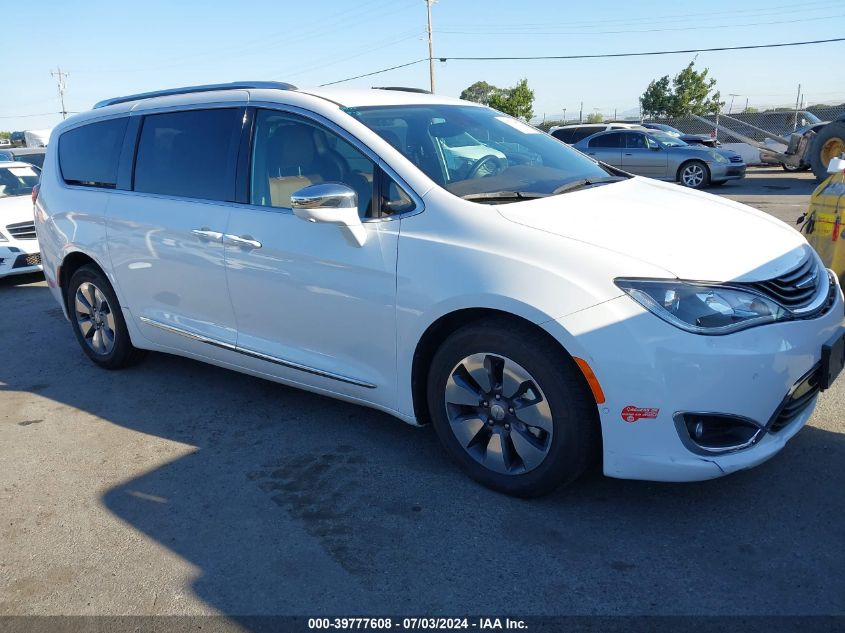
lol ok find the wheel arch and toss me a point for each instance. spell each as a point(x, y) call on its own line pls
point(72, 262)
point(687, 162)
point(446, 324)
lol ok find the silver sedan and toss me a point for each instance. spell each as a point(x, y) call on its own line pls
point(661, 156)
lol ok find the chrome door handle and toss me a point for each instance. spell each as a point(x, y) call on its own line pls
point(206, 233)
point(241, 240)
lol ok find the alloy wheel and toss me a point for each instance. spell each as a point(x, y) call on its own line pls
point(94, 318)
point(693, 175)
point(498, 413)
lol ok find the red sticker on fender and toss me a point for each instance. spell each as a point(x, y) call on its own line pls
point(632, 413)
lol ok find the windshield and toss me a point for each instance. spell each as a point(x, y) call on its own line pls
point(667, 139)
point(472, 150)
point(17, 181)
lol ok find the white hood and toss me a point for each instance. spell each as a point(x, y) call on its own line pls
point(14, 209)
point(693, 235)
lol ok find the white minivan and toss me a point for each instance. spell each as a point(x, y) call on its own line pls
point(541, 310)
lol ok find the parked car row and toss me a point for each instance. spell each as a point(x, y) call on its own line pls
point(652, 151)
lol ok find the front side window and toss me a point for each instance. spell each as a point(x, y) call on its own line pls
point(88, 155)
point(187, 153)
point(17, 181)
point(474, 151)
point(290, 152)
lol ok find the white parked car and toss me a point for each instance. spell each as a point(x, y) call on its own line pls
point(18, 246)
point(549, 312)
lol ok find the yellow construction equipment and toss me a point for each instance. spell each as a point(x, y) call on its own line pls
point(824, 225)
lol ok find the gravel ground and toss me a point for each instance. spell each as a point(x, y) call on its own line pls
point(180, 488)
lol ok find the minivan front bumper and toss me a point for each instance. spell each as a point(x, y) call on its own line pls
point(651, 371)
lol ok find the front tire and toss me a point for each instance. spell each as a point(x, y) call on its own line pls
point(828, 143)
point(513, 412)
point(97, 319)
point(694, 174)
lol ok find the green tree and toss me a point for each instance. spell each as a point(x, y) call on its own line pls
point(517, 101)
point(5, 135)
point(691, 92)
point(657, 98)
point(480, 92)
point(595, 117)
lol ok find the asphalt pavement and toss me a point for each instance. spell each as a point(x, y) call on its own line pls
point(176, 487)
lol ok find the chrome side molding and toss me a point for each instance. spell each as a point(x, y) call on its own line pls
point(253, 354)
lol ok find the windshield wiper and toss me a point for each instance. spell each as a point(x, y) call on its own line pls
point(505, 195)
point(586, 182)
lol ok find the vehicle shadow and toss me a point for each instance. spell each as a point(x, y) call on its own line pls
point(295, 504)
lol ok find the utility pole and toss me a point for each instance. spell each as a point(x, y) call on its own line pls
point(581, 113)
point(797, 100)
point(731, 107)
point(564, 116)
point(746, 105)
point(428, 4)
point(62, 85)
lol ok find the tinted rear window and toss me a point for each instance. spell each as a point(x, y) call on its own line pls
point(88, 155)
point(32, 159)
point(187, 153)
point(567, 136)
point(614, 139)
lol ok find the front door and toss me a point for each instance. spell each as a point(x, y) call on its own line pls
point(644, 156)
point(607, 148)
point(312, 305)
point(165, 236)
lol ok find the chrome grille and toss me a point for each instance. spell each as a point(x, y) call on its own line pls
point(22, 230)
point(797, 288)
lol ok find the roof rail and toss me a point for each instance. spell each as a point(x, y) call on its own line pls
point(403, 89)
point(235, 85)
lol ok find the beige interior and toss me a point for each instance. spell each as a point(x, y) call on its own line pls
point(282, 187)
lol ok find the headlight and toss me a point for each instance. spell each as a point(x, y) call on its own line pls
point(702, 308)
point(719, 158)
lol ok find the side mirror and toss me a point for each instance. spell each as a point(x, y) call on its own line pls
point(330, 203)
point(836, 165)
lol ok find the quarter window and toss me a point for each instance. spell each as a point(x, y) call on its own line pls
point(188, 154)
point(88, 155)
point(291, 152)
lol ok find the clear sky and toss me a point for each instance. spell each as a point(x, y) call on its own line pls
point(112, 48)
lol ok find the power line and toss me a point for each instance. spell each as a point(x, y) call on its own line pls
point(644, 54)
point(377, 72)
point(620, 32)
point(791, 8)
point(595, 56)
point(29, 116)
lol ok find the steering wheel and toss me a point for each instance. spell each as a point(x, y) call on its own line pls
point(495, 166)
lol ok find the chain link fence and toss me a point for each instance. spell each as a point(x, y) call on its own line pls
point(780, 122)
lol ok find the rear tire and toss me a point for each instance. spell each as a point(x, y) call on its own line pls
point(533, 430)
point(829, 143)
point(97, 319)
point(694, 174)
